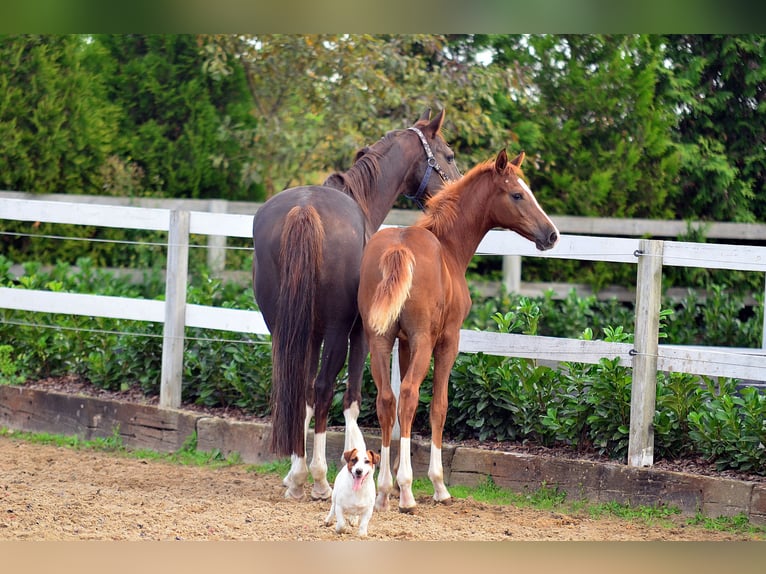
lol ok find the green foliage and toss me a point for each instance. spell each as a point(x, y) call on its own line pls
point(492, 398)
point(729, 429)
point(9, 368)
point(56, 130)
point(172, 114)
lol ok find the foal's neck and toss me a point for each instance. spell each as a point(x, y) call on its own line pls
point(462, 236)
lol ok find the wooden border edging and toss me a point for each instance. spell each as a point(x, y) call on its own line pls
point(166, 430)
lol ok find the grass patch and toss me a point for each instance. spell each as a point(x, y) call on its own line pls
point(739, 523)
point(186, 455)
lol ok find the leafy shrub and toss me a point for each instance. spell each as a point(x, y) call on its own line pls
point(581, 406)
point(729, 429)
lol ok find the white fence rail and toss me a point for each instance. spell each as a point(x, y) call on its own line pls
point(645, 356)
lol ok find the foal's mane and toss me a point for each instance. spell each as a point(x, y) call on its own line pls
point(443, 208)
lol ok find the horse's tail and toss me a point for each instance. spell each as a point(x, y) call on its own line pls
point(397, 265)
point(300, 257)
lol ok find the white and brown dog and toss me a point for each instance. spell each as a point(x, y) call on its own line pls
point(353, 497)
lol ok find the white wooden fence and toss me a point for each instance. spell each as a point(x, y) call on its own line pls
point(645, 356)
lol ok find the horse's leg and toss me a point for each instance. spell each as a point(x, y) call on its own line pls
point(409, 395)
point(333, 358)
point(385, 403)
point(444, 357)
point(352, 398)
point(296, 477)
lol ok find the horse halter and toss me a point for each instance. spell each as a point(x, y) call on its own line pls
point(432, 165)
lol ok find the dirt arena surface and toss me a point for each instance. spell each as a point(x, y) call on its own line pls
point(56, 493)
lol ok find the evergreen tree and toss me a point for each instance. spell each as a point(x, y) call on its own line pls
point(55, 127)
point(719, 88)
point(172, 115)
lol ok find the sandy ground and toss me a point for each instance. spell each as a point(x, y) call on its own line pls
point(53, 493)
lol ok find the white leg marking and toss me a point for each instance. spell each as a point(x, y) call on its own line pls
point(436, 474)
point(321, 489)
point(404, 476)
point(385, 479)
point(353, 436)
point(296, 478)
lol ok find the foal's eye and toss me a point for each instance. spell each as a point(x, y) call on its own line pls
point(451, 158)
point(517, 196)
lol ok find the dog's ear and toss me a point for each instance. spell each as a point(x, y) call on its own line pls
point(374, 457)
point(349, 454)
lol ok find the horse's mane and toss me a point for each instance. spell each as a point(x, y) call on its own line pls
point(359, 181)
point(442, 209)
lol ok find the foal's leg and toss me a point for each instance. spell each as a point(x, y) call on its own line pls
point(408, 403)
point(333, 359)
point(444, 357)
point(352, 398)
point(385, 403)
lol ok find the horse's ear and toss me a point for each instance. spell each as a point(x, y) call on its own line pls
point(436, 123)
point(425, 116)
point(360, 153)
point(519, 159)
point(501, 161)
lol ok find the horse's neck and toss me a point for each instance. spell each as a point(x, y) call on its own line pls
point(462, 238)
point(379, 195)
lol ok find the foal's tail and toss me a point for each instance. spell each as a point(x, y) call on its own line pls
point(397, 265)
point(300, 257)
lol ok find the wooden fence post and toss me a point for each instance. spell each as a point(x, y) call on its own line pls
point(216, 244)
point(763, 330)
point(646, 346)
point(512, 273)
point(175, 310)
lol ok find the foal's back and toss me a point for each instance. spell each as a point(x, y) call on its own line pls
point(436, 295)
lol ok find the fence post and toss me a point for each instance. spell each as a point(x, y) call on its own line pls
point(512, 273)
point(646, 345)
point(216, 244)
point(175, 310)
point(763, 330)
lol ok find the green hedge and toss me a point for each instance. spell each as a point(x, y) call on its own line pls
point(581, 406)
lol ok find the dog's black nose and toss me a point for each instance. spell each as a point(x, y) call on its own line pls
point(358, 472)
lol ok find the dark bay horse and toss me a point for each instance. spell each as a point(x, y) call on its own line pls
point(308, 247)
point(413, 288)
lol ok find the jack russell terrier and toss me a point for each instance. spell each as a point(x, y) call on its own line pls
point(354, 494)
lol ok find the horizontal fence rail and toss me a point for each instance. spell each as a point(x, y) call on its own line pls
point(645, 356)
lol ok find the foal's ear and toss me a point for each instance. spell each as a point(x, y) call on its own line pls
point(436, 123)
point(501, 161)
point(425, 116)
point(519, 159)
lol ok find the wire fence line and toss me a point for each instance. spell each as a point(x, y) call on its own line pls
point(644, 355)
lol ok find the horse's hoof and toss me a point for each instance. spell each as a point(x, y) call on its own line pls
point(294, 494)
point(407, 509)
point(444, 501)
point(324, 494)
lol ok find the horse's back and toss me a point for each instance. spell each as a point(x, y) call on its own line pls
point(342, 238)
